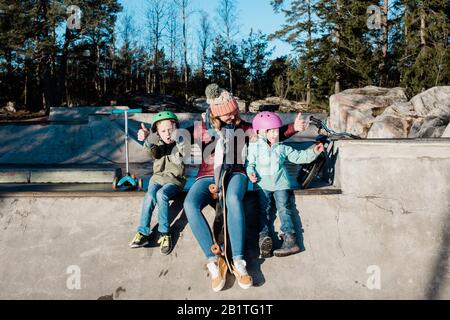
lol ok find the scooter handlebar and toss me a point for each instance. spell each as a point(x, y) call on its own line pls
point(120, 111)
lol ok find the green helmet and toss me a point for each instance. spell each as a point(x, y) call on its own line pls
point(163, 115)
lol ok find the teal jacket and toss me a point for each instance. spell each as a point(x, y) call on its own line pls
point(268, 163)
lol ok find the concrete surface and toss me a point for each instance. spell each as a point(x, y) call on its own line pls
point(387, 236)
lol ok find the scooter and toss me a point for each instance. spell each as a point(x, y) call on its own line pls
point(129, 182)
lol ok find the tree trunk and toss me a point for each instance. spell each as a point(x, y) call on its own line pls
point(308, 85)
point(384, 46)
point(422, 26)
point(97, 79)
point(337, 83)
point(63, 68)
point(185, 51)
point(230, 68)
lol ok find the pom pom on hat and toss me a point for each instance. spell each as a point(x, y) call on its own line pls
point(220, 100)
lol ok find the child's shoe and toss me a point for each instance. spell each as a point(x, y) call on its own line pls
point(265, 246)
point(245, 281)
point(288, 247)
point(218, 271)
point(139, 241)
point(165, 244)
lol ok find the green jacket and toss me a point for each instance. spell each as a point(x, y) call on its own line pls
point(268, 163)
point(168, 165)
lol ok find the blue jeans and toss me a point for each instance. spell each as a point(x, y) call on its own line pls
point(199, 197)
point(157, 195)
point(284, 202)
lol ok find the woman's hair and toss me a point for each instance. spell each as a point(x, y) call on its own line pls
point(217, 123)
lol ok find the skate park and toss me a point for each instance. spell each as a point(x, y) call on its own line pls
point(379, 229)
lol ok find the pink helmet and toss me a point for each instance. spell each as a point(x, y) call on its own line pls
point(266, 120)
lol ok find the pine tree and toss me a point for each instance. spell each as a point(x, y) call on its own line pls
point(256, 52)
point(299, 31)
point(426, 52)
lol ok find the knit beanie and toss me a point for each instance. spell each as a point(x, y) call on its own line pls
point(220, 101)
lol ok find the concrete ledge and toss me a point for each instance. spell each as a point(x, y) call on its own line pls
point(104, 190)
point(15, 176)
point(57, 175)
point(72, 176)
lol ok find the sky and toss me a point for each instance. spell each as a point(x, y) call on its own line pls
point(256, 14)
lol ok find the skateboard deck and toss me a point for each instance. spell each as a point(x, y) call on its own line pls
point(220, 226)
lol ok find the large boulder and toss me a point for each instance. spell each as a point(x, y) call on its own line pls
point(433, 102)
point(394, 122)
point(433, 109)
point(355, 110)
point(446, 133)
point(10, 107)
point(430, 127)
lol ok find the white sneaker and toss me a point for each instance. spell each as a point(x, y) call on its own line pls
point(218, 271)
point(245, 281)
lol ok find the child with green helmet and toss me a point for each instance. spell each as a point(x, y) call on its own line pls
point(167, 181)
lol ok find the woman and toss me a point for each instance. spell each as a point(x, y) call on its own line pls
point(217, 125)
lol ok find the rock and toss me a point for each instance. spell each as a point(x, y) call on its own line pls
point(433, 108)
point(10, 107)
point(433, 102)
point(394, 123)
point(261, 105)
point(405, 109)
point(385, 113)
point(277, 104)
point(431, 127)
point(355, 110)
point(242, 105)
point(200, 103)
point(389, 127)
point(446, 133)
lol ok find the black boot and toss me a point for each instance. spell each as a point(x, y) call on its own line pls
point(288, 247)
point(265, 246)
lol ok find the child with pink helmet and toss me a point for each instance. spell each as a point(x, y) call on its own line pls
point(266, 169)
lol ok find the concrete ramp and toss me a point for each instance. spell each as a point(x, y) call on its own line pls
point(387, 236)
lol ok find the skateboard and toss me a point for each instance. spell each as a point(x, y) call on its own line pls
point(221, 244)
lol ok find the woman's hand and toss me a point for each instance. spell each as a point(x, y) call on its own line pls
point(253, 178)
point(143, 133)
point(299, 124)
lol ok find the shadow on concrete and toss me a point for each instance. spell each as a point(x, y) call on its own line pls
point(254, 262)
point(329, 171)
point(440, 272)
point(178, 222)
